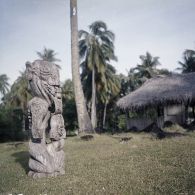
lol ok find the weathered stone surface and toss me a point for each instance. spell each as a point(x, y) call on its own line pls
point(45, 120)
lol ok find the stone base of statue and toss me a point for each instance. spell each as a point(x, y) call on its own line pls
point(46, 159)
point(46, 123)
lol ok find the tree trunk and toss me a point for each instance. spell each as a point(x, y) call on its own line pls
point(93, 105)
point(186, 114)
point(82, 114)
point(193, 112)
point(127, 119)
point(104, 117)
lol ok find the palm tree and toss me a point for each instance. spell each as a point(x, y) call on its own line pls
point(188, 64)
point(134, 80)
point(4, 85)
point(106, 90)
point(110, 90)
point(96, 50)
point(83, 116)
point(68, 90)
point(124, 85)
point(147, 68)
point(163, 71)
point(48, 55)
point(18, 96)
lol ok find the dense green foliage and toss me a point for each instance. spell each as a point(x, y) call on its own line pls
point(96, 49)
point(48, 55)
point(4, 85)
point(188, 64)
point(12, 125)
point(69, 106)
point(13, 111)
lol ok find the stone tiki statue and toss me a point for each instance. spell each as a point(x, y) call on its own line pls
point(46, 123)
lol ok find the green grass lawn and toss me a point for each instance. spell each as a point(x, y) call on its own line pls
point(105, 165)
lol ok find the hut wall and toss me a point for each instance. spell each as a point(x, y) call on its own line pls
point(139, 123)
point(160, 121)
point(175, 113)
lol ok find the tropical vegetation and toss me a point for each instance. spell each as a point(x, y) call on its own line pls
point(48, 55)
point(4, 84)
point(113, 161)
point(101, 84)
point(13, 110)
point(188, 64)
point(69, 106)
point(96, 49)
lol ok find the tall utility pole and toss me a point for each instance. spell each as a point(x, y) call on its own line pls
point(82, 114)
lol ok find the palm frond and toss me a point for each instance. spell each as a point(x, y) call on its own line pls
point(48, 55)
point(97, 27)
point(82, 34)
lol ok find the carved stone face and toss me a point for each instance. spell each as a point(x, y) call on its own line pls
point(43, 79)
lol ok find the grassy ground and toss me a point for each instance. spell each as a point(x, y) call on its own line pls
point(105, 165)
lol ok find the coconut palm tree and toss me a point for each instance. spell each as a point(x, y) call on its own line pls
point(48, 55)
point(110, 90)
point(83, 116)
point(18, 96)
point(4, 85)
point(105, 90)
point(188, 64)
point(147, 68)
point(68, 89)
point(138, 75)
point(96, 50)
point(134, 79)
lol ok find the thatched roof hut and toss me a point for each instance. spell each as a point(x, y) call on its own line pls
point(162, 90)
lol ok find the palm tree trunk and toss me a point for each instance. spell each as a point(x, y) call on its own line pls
point(93, 105)
point(193, 112)
point(104, 117)
point(83, 116)
point(186, 114)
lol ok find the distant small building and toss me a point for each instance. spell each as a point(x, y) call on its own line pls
point(169, 95)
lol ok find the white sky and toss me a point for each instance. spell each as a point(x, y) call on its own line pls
point(165, 28)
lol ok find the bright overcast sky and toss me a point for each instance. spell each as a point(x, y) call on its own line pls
point(165, 28)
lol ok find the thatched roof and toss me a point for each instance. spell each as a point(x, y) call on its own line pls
point(164, 90)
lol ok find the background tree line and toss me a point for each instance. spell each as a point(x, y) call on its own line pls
point(101, 84)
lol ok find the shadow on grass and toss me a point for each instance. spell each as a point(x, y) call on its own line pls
point(174, 134)
point(15, 144)
point(164, 134)
point(22, 158)
point(160, 133)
